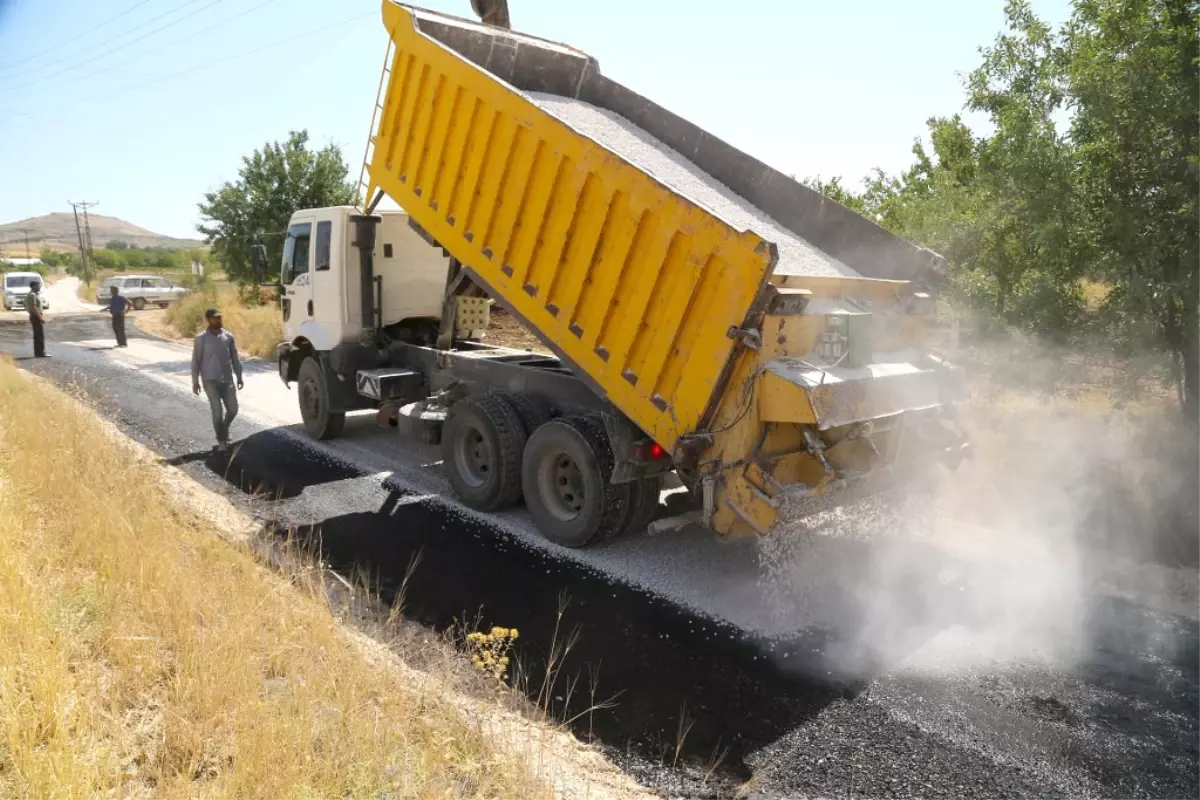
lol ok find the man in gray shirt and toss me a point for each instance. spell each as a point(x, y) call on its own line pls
point(215, 362)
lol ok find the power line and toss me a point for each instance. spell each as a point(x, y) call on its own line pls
point(187, 37)
point(209, 64)
point(119, 47)
point(91, 30)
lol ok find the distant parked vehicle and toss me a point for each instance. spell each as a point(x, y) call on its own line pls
point(142, 290)
point(16, 286)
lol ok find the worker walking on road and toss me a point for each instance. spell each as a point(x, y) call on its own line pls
point(215, 363)
point(33, 305)
point(117, 306)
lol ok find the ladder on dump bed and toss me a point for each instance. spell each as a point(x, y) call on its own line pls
point(360, 191)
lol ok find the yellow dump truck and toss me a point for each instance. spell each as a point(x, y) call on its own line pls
point(708, 317)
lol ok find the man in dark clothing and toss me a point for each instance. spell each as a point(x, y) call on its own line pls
point(117, 306)
point(33, 305)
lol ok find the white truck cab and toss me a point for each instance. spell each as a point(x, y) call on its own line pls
point(322, 285)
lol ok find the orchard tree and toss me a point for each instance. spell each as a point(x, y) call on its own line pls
point(1134, 71)
point(272, 183)
point(1030, 215)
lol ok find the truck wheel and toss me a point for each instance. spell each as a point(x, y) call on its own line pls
point(532, 410)
point(482, 441)
point(319, 421)
point(565, 477)
point(642, 507)
point(139, 303)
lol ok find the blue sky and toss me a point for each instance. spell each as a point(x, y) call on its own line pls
point(144, 105)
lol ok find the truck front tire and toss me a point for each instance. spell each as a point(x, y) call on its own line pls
point(566, 482)
point(313, 391)
point(482, 442)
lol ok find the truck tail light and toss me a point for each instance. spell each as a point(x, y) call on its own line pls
point(649, 452)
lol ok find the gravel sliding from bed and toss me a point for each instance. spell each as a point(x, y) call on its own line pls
point(796, 256)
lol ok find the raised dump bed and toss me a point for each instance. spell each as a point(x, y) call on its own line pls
point(691, 286)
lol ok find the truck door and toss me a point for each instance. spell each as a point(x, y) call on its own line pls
point(297, 282)
point(327, 279)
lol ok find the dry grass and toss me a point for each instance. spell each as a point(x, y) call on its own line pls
point(258, 329)
point(1094, 294)
point(140, 655)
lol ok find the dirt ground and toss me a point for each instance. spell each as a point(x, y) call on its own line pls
point(154, 322)
point(507, 331)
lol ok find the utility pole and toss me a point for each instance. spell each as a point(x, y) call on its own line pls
point(28, 253)
point(85, 239)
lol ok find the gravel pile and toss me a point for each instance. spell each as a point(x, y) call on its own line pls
point(796, 256)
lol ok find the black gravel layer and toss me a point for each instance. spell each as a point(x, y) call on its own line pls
point(697, 708)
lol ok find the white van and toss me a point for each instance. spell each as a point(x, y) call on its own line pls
point(16, 286)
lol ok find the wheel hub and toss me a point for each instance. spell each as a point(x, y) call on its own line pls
point(561, 486)
point(474, 458)
point(310, 398)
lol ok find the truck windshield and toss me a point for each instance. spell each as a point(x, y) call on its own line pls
point(19, 281)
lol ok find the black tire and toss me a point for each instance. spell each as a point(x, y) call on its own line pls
point(482, 442)
point(566, 481)
point(532, 410)
point(163, 305)
point(642, 508)
point(313, 393)
point(139, 303)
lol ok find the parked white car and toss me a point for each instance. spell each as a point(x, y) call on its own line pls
point(16, 286)
point(142, 290)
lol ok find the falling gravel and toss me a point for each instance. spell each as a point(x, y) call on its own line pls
point(796, 256)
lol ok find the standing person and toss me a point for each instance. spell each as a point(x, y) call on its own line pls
point(215, 362)
point(117, 306)
point(33, 305)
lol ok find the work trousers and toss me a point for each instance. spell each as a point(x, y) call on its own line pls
point(118, 323)
point(221, 393)
point(39, 337)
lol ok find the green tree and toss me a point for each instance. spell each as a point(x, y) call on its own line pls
point(1029, 216)
point(272, 183)
point(1005, 208)
point(53, 259)
point(1134, 72)
point(834, 190)
point(107, 259)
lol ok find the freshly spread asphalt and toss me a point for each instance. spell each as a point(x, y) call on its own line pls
point(696, 697)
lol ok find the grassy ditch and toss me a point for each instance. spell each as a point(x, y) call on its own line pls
point(141, 655)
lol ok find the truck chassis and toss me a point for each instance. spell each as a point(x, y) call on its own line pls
point(511, 424)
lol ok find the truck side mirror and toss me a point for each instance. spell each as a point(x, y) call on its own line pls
point(258, 262)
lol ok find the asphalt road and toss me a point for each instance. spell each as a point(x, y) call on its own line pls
point(937, 681)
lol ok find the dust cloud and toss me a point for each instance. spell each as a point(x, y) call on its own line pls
point(1003, 559)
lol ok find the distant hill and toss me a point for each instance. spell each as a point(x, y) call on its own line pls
point(57, 232)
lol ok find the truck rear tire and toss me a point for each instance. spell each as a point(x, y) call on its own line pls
point(532, 410)
point(642, 508)
point(313, 392)
point(482, 442)
point(139, 303)
point(566, 481)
